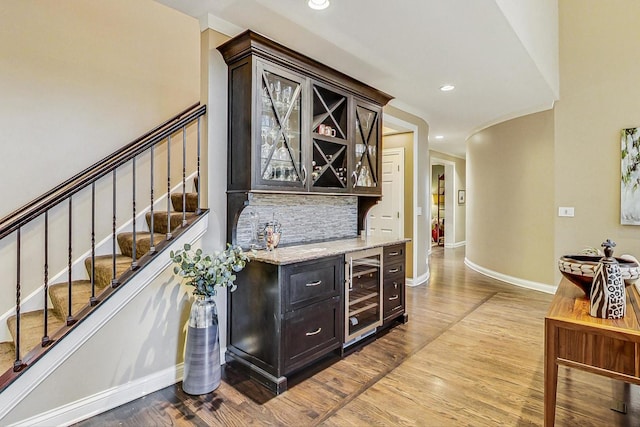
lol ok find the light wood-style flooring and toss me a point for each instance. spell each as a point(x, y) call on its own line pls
point(470, 355)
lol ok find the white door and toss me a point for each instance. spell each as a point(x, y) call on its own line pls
point(386, 218)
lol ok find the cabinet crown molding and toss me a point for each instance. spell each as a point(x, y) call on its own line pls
point(251, 43)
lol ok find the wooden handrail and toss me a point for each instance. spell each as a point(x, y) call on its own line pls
point(46, 201)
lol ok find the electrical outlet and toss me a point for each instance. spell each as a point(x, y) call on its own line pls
point(566, 211)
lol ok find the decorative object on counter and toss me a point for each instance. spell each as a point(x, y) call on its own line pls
point(630, 176)
point(608, 297)
point(272, 233)
point(580, 269)
point(205, 273)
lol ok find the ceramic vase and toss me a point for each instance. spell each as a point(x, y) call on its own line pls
point(608, 297)
point(202, 355)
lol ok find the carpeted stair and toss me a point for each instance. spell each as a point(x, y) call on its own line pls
point(31, 323)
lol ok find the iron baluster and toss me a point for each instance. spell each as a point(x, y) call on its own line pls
point(169, 187)
point(70, 320)
point(198, 171)
point(134, 254)
point(17, 364)
point(152, 246)
point(93, 301)
point(114, 279)
point(184, 176)
point(45, 335)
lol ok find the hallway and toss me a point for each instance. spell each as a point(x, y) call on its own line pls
point(471, 354)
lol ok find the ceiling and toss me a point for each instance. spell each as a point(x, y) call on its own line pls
point(501, 57)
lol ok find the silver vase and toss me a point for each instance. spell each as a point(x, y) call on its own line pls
point(202, 355)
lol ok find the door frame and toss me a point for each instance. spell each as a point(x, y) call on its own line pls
point(410, 127)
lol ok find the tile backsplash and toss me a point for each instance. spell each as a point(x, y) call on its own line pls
point(304, 218)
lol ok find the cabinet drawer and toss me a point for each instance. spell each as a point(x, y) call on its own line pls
point(394, 270)
point(312, 281)
point(394, 253)
point(393, 297)
point(311, 332)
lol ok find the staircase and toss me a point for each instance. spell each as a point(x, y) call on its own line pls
point(70, 302)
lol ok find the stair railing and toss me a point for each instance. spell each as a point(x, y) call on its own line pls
point(40, 209)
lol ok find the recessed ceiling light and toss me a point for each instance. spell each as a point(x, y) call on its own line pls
point(439, 137)
point(318, 4)
point(444, 88)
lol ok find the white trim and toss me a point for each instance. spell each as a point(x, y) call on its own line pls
point(455, 245)
point(37, 373)
point(210, 21)
point(413, 128)
point(105, 400)
point(33, 302)
point(419, 280)
point(536, 286)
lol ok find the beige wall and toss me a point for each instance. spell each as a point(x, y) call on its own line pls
point(459, 183)
point(79, 80)
point(510, 198)
point(405, 141)
point(422, 243)
point(600, 95)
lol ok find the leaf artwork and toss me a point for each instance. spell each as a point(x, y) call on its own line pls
point(630, 177)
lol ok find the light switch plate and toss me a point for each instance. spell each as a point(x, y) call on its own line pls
point(566, 211)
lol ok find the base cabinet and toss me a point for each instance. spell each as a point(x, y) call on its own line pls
point(393, 288)
point(282, 318)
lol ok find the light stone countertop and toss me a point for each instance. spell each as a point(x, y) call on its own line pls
point(309, 251)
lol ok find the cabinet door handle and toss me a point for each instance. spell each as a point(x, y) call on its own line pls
point(313, 283)
point(395, 297)
point(304, 175)
point(394, 253)
point(394, 270)
point(395, 285)
point(316, 332)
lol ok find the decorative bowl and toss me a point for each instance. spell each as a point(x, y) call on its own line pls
point(580, 269)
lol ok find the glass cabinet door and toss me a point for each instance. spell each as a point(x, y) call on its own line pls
point(365, 174)
point(329, 159)
point(280, 115)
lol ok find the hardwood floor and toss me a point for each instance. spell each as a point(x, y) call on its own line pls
point(471, 354)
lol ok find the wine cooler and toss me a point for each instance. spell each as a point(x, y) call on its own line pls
point(363, 294)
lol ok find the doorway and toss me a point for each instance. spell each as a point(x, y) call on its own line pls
point(443, 201)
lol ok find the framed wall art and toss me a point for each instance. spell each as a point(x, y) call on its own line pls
point(630, 177)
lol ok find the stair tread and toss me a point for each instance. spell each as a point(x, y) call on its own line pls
point(104, 268)
point(160, 220)
point(32, 328)
point(81, 293)
point(143, 239)
point(7, 356)
point(191, 201)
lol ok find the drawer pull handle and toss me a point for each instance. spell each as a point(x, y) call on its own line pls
point(394, 270)
point(316, 332)
point(394, 253)
point(313, 283)
point(393, 298)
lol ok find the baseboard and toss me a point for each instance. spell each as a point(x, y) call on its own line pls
point(36, 374)
point(33, 301)
point(455, 245)
point(105, 400)
point(536, 286)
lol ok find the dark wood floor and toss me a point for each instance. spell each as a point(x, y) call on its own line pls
point(470, 355)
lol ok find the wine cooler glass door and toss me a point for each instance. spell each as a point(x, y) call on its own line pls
point(363, 293)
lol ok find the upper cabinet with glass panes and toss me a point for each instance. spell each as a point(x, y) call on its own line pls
point(297, 125)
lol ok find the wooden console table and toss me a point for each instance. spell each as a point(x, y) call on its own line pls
point(573, 338)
